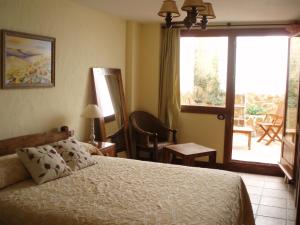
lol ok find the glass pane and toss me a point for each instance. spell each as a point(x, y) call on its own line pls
point(293, 84)
point(203, 71)
point(260, 87)
point(104, 95)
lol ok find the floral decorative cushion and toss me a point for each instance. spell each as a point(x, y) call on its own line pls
point(43, 163)
point(11, 170)
point(74, 154)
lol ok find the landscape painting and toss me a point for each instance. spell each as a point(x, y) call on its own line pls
point(27, 60)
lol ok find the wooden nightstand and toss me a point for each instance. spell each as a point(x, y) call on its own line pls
point(107, 148)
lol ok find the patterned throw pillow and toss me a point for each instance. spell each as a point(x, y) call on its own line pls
point(74, 154)
point(43, 163)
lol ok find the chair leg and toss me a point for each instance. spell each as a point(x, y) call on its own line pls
point(275, 134)
point(264, 134)
point(249, 141)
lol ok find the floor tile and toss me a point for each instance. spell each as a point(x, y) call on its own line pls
point(291, 214)
point(248, 176)
point(274, 179)
point(255, 199)
point(254, 182)
point(291, 193)
point(272, 200)
point(271, 212)
point(261, 220)
point(254, 208)
point(254, 190)
point(291, 204)
point(276, 202)
point(276, 185)
point(275, 193)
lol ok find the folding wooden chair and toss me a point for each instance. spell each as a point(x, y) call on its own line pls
point(271, 127)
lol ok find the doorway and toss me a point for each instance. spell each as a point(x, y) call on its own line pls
point(259, 98)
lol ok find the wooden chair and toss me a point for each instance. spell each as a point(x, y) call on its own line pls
point(271, 127)
point(150, 134)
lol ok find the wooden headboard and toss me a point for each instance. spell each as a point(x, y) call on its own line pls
point(9, 146)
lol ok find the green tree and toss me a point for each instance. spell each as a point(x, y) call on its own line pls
point(207, 88)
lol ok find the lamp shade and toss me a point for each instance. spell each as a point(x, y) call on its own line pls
point(91, 111)
point(189, 4)
point(169, 6)
point(208, 11)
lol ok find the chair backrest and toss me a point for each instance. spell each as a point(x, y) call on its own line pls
point(148, 122)
point(275, 119)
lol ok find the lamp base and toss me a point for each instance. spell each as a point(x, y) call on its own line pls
point(92, 134)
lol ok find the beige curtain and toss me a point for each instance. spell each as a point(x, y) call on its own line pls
point(169, 95)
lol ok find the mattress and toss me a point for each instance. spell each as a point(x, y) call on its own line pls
point(130, 192)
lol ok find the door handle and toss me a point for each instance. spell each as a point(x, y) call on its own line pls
point(221, 117)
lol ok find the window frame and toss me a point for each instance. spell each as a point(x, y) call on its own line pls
point(232, 34)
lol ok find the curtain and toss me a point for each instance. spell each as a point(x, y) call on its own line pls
point(169, 95)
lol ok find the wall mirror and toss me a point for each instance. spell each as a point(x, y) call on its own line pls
point(109, 96)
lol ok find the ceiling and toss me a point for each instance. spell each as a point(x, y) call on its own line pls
point(225, 10)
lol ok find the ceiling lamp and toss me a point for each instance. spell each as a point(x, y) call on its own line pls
point(195, 9)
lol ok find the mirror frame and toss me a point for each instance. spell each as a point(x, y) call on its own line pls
point(123, 131)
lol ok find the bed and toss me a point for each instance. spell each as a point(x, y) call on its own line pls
point(125, 191)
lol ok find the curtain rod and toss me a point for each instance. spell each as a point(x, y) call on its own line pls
point(231, 25)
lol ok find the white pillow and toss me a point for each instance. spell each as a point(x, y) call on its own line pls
point(74, 154)
point(11, 170)
point(43, 163)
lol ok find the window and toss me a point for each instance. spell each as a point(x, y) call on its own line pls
point(203, 71)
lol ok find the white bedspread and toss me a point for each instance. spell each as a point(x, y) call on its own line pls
point(123, 191)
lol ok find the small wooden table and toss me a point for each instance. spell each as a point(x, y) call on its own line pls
point(188, 152)
point(244, 130)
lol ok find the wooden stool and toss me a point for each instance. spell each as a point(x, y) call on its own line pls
point(189, 152)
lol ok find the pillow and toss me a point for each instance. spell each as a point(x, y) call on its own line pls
point(74, 154)
point(11, 170)
point(43, 163)
point(93, 150)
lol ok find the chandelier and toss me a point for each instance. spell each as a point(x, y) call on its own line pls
point(195, 9)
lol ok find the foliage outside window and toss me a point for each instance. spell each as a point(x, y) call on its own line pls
point(203, 71)
point(255, 110)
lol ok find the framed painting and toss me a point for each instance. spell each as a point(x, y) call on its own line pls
point(27, 60)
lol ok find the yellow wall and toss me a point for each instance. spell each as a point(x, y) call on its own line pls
point(84, 38)
point(199, 128)
point(148, 76)
point(133, 35)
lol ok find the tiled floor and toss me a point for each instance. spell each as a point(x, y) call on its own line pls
point(272, 200)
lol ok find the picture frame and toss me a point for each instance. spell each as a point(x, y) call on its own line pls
point(27, 60)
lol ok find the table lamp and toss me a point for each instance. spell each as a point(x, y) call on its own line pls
point(92, 112)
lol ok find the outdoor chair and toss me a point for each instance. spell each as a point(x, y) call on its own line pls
point(271, 127)
point(150, 134)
